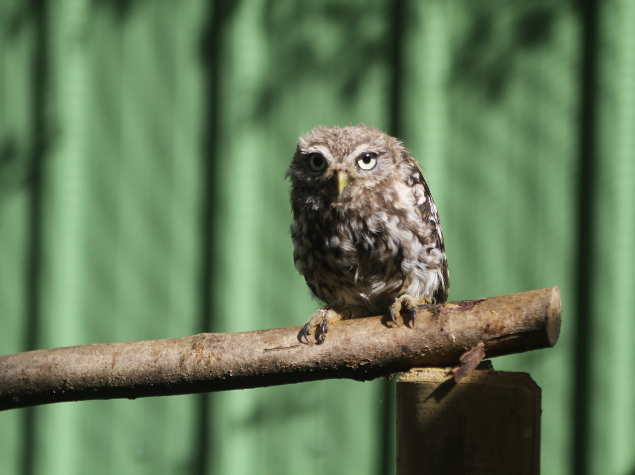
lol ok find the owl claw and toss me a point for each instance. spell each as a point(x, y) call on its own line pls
point(393, 313)
point(319, 324)
point(304, 333)
point(413, 316)
point(409, 304)
point(324, 326)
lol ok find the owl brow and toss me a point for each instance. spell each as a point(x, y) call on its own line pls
point(323, 150)
point(365, 147)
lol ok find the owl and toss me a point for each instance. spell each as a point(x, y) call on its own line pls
point(366, 233)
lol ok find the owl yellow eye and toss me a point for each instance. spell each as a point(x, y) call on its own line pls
point(367, 161)
point(316, 162)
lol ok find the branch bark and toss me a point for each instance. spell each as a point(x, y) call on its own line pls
point(359, 349)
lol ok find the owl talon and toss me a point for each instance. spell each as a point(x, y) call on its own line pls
point(409, 304)
point(324, 326)
point(319, 324)
point(304, 333)
point(393, 313)
point(413, 316)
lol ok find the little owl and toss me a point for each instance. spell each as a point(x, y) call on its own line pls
point(366, 233)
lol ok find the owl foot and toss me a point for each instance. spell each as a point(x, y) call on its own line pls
point(409, 304)
point(320, 322)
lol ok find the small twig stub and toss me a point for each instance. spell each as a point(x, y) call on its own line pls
point(469, 360)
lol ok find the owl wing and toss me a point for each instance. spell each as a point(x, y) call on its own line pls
point(430, 217)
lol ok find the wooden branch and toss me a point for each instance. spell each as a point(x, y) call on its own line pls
point(359, 349)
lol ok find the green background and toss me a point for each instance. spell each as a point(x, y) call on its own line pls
point(143, 146)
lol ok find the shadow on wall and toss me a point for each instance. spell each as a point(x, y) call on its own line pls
point(299, 55)
point(20, 164)
point(485, 58)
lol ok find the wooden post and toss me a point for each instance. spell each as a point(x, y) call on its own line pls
point(489, 423)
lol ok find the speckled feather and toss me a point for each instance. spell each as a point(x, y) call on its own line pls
point(380, 238)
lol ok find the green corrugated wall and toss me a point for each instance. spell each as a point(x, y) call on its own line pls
point(143, 146)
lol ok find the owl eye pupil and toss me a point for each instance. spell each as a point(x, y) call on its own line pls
point(316, 161)
point(367, 160)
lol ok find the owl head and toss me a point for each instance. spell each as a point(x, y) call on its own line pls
point(338, 165)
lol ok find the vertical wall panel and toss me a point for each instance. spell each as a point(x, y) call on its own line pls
point(492, 92)
point(281, 78)
point(121, 220)
point(612, 432)
point(19, 112)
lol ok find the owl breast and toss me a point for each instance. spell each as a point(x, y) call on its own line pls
point(364, 254)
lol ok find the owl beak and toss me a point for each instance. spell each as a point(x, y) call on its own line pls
point(342, 181)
